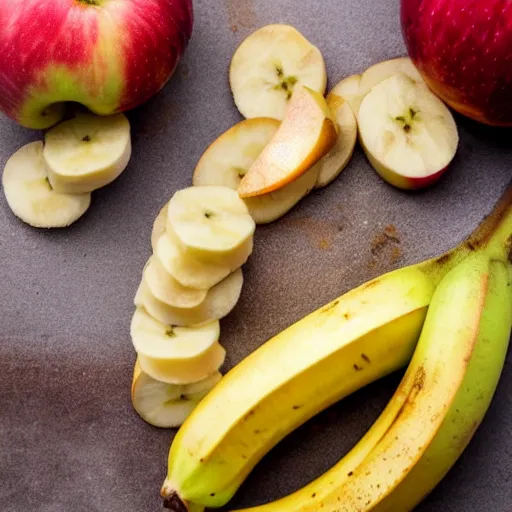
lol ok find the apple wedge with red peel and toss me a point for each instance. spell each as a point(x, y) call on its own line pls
point(166, 405)
point(332, 164)
point(268, 66)
point(173, 354)
point(219, 302)
point(348, 89)
point(307, 133)
point(228, 158)
point(407, 133)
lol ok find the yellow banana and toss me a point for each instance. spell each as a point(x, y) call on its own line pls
point(353, 341)
point(438, 406)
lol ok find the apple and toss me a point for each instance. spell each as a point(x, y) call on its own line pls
point(463, 50)
point(407, 132)
point(307, 133)
point(108, 55)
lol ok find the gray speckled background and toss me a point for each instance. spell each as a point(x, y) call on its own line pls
point(69, 439)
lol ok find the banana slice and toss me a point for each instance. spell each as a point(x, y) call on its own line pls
point(407, 133)
point(348, 89)
point(167, 405)
point(87, 152)
point(386, 69)
point(227, 160)
point(212, 224)
point(179, 355)
point(166, 289)
point(332, 164)
point(188, 271)
point(30, 195)
point(219, 302)
point(268, 65)
point(158, 227)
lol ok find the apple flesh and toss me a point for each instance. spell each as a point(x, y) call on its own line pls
point(463, 51)
point(109, 55)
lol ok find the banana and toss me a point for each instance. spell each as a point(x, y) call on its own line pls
point(332, 164)
point(356, 339)
point(190, 272)
point(167, 405)
point(228, 158)
point(267, 67)
point(219, 302)
point(158, 226)
point(177, 355)
point(87, 152)
point(30, 195)
point(212, 224)
point(168, 290)
point(437, 407)
point(408, 134)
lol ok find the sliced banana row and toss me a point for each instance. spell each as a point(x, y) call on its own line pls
point(48, 184)
point(200, 240)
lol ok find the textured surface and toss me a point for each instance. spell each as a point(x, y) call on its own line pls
point(69, 439)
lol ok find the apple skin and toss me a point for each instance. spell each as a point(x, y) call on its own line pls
point(463, 50)
point(109, 55)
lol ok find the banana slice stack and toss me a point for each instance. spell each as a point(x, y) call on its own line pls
point(48, 184)
point(200, 240)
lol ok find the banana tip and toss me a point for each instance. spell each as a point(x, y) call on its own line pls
point(172, 501)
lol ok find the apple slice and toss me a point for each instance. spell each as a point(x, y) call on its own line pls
point(407, 133)
point(332, 164)
point(166, 289)
point(87, 152)
point(158, 226)
point(348, 89)
point(167, 405)
point(30, 195)
point(307, 134)
point(386, 69)
point(173, 354)
point(220, 301)
point(227, 160)
point(188, 271)
point(212, 224)
point(269, 65)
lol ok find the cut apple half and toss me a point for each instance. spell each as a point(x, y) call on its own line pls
point(219, 302)
point(180, 353)
point(407, 133)
point(87, 152)
point(212, 224)
point(227, 160)
point(308, 132)
point(386, 69)
point(165, 405)
point(332, 164)
point(31, 197)
point(189, 272)
point(158, 226)
point(168, 290)
point(268, 66)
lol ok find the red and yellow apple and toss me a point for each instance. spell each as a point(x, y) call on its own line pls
point(463, 50)
point(109, 55)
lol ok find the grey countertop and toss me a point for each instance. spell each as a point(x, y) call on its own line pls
point(69, 438)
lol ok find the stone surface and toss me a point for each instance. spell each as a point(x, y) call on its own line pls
point(69, 438)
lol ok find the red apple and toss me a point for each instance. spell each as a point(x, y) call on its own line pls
point(463, 50)
point(109, 55)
